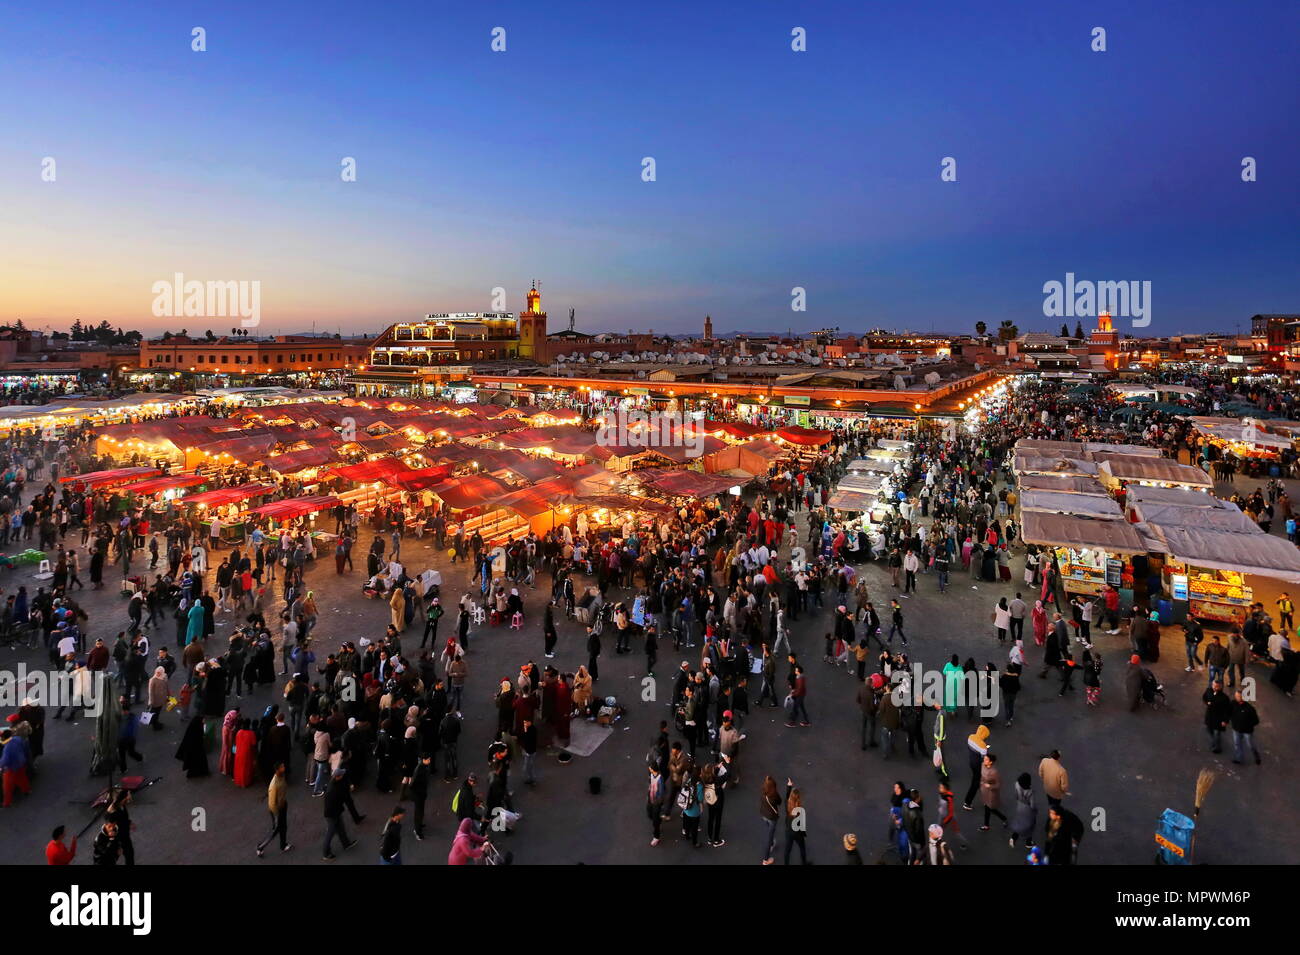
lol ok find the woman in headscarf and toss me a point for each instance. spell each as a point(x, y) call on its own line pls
point(467, 846)
point(194, 623)
point(245, 760)
point(192, 753)
point(158, 694)
point(1025, 820)
point(1038, 617)
point(229, 726)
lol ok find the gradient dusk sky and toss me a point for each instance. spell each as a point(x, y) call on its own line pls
point(775, 169)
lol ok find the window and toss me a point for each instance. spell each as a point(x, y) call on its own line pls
point(320, 357)
point(249, 360)
point(200, 359)
point(226, 358)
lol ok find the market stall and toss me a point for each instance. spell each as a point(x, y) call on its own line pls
point(1089, 552)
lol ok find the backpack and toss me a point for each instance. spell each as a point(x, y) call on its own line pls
point(710, 795)
point(686, 798)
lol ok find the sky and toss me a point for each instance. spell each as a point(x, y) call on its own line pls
point(774, 169)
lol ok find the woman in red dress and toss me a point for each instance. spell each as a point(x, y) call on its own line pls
point(245, 754)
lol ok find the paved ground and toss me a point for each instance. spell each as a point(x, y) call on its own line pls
point(1125, 768)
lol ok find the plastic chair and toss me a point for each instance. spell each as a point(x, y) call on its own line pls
point(517, 621)
point(477, 614)
point(44, 568)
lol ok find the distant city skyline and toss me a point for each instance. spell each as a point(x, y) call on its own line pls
point(775, 169)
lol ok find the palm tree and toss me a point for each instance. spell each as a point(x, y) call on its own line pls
point(980, 329)
point(1008, 330)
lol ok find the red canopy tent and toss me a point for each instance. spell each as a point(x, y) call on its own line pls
point(296, 506)
point(228, 495)
point(475, 490)
point(301, 460)
point(418, 479)
point(166, 482)
point(109, 477)
point(811, 437)
point(735, 429)
point(380, 470)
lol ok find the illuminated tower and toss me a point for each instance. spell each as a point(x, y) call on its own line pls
point(532, 327)
point(1102, 341)
point(708, 328)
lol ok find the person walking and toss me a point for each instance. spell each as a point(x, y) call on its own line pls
point(1218, 713)
point(796, 824)
point(991, 791)
point(656, 796)
point(1244, 719)
point(1056, 781)
point(977, 747)
point(769, 810)
point(798, 695)
point(390, 839)
point(896, 622)
point(336, 799)
point(277, 803)
point(1025, 819)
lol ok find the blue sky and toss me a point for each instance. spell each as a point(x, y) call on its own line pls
point(775, 169)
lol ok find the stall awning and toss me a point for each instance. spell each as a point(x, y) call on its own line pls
point(296, 506)
point(110, 477)
point(228, 495)
point(1257, 553)
point(419, 479)
point(851, 500)
point(475, 490)
point(528, 502)
point(809, 437)
point(1130, 467)
point(736, 429)
point(166, 483)
point(367, 471)
point(244, 448)
point(1062, 530)
point(1083, 505)
point(1062, 483)
point(296, 461)
point(682, 483)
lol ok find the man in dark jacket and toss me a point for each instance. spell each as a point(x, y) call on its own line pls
point(1218, 711)
point(1244, 719)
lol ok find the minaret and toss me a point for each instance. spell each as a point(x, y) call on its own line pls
point(708, 328)
point(532, 327)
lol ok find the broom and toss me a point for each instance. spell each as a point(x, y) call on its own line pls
point(1204, 783)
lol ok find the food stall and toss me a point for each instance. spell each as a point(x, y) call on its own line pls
point(1089, 552)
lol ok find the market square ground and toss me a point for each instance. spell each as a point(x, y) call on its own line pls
point(1125, 768)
